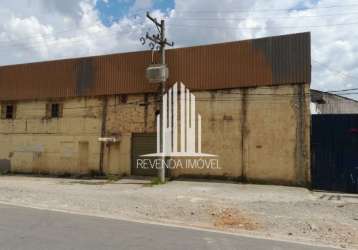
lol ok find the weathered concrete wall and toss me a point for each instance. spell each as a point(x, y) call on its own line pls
point(258, 134)
point(33, 143)
point(276, 140)
point(127, 115)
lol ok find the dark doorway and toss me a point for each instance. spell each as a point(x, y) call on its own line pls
point(143, 143)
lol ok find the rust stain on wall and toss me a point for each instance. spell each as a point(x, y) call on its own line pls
point(258, 62)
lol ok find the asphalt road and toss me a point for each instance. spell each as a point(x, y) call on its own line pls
point(32, 229)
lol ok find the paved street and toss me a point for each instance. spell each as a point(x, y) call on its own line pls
point(32, 229)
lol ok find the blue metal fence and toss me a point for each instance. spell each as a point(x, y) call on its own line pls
point(334, 147)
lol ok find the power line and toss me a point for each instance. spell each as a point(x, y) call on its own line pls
point(56, 42)
point(266, 10)
point(176, 17)
point(255, 28)
point(173, 25)
point(63, 31)
point(41, 36)
point(342, 90)
point(334, 70)
point(134, 14)
point(259, 17)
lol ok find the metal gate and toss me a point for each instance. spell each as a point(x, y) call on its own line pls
point(334, 148)
point(144, 143)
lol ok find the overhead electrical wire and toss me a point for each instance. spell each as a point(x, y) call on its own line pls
point(343, 90)
point(266, 10)
point(12, 41)
point(58, 32)
point(334, 70)
point(55, 42)
point(254, 28)
point(52, 35)
point(256, 17)
point(47, 35)
point(343, 75)
point(41, 44)
point(134, 14)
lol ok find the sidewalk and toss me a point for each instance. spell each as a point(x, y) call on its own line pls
point(269, 211)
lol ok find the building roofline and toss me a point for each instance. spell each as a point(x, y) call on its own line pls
point(266, 61)
point(143, 51)
point(332, 94)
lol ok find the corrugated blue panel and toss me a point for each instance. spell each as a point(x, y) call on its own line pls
point(334, 146)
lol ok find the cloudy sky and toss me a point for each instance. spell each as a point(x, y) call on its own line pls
point(37, 30)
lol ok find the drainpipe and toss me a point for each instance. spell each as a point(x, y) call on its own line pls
point(103, 132)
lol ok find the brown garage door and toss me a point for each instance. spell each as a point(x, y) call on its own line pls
point(145, 143)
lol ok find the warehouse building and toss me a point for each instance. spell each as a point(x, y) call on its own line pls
point(330, 103)
point(98, 114)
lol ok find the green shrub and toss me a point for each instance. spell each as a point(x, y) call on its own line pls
point(156, 181)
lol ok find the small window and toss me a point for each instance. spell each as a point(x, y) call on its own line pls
point(8, 111)
point(54, 110)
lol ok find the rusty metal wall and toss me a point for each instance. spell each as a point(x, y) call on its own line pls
point(258, 62)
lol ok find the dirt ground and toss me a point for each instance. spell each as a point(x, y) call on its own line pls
point(268, 211)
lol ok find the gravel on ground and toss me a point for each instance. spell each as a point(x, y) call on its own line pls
point(279, 212)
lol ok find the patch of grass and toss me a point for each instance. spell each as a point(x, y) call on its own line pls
point(4, 172)
point(113, 177)
point(156, 181)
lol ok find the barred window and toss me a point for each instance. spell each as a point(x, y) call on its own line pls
point(8, 111)
point(54, 110)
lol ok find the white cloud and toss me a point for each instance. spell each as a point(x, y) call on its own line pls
point(334, 48)
point(32, 30)
point(47, 30)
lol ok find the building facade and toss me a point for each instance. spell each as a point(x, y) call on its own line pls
point(98, 114)
point(328, 103)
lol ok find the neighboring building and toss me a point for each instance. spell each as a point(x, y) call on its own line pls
point(328, 103)
point(253, 98)
point(334, 142)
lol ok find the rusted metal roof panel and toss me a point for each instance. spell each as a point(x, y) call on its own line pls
point(258, 62)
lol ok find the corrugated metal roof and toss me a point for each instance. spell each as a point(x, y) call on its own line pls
point(258, 62)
